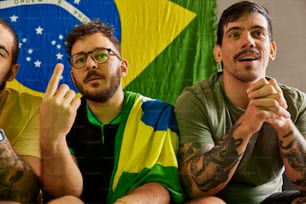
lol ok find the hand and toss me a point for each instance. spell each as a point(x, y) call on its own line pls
point(58, 109)
point(268, 100)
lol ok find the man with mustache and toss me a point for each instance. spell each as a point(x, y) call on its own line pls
point(239, 129)
point(19, 129)
point(110, 146)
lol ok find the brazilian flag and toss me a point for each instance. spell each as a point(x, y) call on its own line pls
point(178, 44)
point(168, 44)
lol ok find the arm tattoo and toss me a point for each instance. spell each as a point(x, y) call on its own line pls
point(17, 180)
point(294, 153)
point(212, 169)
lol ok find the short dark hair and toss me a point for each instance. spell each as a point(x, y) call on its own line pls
point(15, 47)
point(92, 27)
point(236, 10)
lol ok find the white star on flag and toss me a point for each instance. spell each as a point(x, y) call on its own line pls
point(77, 2)
point(59, 56)
point(37, 63)
point(39, 30)
point(14, 18)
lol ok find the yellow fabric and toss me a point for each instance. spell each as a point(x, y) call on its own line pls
point(143, 147)
point(19, 117)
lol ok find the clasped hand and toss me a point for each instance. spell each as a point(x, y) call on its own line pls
point(266, 104)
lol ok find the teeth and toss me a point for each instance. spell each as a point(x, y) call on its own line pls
point(247, 58)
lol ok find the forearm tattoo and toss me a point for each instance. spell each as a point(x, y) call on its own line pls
point(210, 170)
point(296, 156)
point(17, 180)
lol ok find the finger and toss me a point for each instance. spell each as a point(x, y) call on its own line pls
point(76, 102)
point(267, 104)
point(257, 85)
point(281, 100)
point(264, 91)
point(62, 91)
point(69, 97)
point(54, 80)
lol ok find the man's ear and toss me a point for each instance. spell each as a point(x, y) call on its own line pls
point(273, 50)
point(217, 53)
point(13, 72)
point(124, 67)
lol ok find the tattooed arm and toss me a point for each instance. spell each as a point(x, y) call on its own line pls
point(206, 169)
point(17, 180)
point(293, 148)
point(292, 142)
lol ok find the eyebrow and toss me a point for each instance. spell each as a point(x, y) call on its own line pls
point(240, 28)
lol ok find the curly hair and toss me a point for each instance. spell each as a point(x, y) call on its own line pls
point(91, 27)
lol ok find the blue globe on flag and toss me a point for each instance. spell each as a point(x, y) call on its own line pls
point(42, 26)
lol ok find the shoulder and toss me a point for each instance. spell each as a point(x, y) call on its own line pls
point(146, 103)
point(149, 104)
point(157, 113)
point(22, 98)
point(203, 92)
point(292, 92)
point(296, 100)
point(293, 95)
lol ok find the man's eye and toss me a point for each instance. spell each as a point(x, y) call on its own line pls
point(101, 55)
point(3, 54)
point(80, 60)
point(234, 35)
point(258, 34)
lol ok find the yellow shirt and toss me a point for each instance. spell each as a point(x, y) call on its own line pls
point(19, 118)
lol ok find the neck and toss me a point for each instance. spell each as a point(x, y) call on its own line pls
point(236, 91)
point(107, 111)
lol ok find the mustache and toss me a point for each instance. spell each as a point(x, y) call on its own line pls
point(93, 73)
point(247, 50)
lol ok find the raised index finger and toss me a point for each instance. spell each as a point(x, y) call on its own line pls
point(54, 80)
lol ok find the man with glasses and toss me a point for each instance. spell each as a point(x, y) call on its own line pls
point(123, 145)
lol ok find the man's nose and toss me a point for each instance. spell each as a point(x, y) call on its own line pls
point(247, 40)
point(91, 63)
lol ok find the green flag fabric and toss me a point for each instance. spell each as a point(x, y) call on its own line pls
point(185, 60)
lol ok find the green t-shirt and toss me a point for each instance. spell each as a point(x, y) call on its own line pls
point(205, 114)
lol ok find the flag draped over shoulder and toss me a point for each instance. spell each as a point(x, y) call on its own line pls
point(168, 44)
point(187, 58)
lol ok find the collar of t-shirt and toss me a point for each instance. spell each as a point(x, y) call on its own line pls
point(95, 121)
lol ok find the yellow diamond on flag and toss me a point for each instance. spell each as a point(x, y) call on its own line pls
point(147, 28)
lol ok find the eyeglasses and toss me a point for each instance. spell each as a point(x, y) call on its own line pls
point(100, 55)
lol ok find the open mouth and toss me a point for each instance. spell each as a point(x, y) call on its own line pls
point(247, 58)
point(247, 55)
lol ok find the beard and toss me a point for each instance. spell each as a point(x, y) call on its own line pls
point(105, 94)
point(247, 75)
point(4, 79)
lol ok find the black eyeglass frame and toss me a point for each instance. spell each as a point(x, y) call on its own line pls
point(109, 51)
